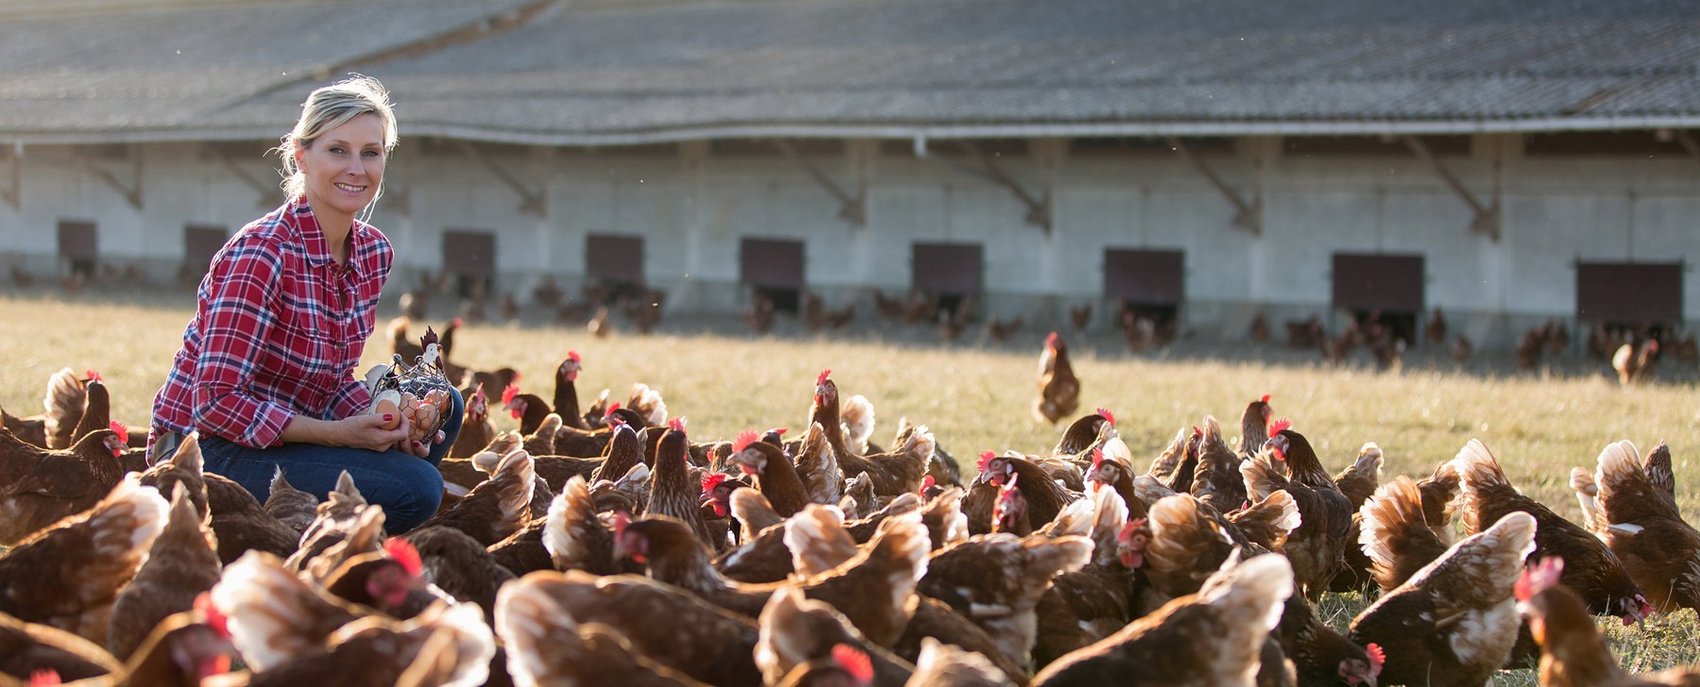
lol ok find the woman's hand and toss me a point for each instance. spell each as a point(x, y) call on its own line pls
point(366, 431)
point(417, 449)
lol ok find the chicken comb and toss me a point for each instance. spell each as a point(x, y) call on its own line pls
point(1265, 399)
point(478, 391)
point(456, 323)
point(1539, 576)
point(612, 407)
point(778, 431)
point(621, 520)
point(745, 438)
point(119, 429)
point(985, 459)
point(855, 662)
point(1280, 426)
point(45, 676)
point(509, 394)
point(214, 618)
point(823, 375)
point(429, 338)
point(1097, 458)
point(677, 424)
point(928, 482)
point(402, 551)
point(1377, 657)
point(93, 374)
point(1107, 415)
point(712, 480)
point(1051, 340)
point(573, 356)
point(1127, 530)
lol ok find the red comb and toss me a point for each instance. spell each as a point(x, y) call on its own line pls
point(712, 480)
point(214, 617)
point(1097, 458)
point(928, 482)
point(1131, 527)
point(1539, 576)
point(621, 519)
point(573, 356)
point(403, 552)
point(779, 431)
point(613, 407)
point(745, 438)
point(456, 322)
point(45, 676)
point(1105, 412)
point(1280, 426)
point(93, 374)
point(855, 662)
point(1265, 398)
point(479, 391)
point(823, 375)
point(986, 458)
point(677, 424)
point(510, 393)
point(1377, 657)
point(119, 429)
point(1051, 339)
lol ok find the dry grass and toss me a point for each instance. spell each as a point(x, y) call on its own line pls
point(976, 398)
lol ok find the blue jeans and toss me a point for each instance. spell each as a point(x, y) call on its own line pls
point(408, 488)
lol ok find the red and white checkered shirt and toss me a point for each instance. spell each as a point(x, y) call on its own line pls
point(278, 329)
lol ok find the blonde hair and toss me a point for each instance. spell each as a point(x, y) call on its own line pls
point(328, 108)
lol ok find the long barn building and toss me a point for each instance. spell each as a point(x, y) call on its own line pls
point(1508, 162)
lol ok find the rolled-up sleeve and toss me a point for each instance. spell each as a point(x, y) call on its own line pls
point(238, 313)
point(352, 399)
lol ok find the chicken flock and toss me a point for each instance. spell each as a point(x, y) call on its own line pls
point(606, 544)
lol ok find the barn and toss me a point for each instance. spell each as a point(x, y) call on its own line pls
point(1510, 162)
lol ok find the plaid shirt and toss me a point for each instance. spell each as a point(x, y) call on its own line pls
point(278, 329)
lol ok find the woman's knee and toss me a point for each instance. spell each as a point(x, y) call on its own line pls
point(419, 492)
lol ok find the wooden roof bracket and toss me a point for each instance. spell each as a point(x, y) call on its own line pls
point(1248, 215)
point(10, 190)
point(1038, 205)
point(852, 207)
point(1487, 215)
point(242, 175)
point(533, 199)
point(132, 192)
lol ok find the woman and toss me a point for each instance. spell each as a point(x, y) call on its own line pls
point(265, 374)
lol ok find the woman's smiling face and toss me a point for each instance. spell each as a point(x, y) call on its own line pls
point(345, 166)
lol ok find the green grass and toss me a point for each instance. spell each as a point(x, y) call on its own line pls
point(976, 398)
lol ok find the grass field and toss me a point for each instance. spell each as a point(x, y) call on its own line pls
point(976, 398)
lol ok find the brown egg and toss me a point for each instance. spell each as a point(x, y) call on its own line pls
point(386, 406)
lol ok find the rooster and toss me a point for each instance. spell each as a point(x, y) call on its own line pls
point(181, 564)
point(1593, 571)
point(693, 637)
point(1396, 535)
point(476, 429)
point(68, 575)
point(1317, 547)
point(1059, 389)
point(774, 472)
point(873, 588)
point(1573, 654)
point(1634, 364)
point(1454, 621)
point(1644, 529)
point(1214, 637)
point(671, 490)
point(39, 486)
point(796, 631)
point(546, 646)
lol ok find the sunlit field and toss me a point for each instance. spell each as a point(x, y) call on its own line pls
point(976, 397)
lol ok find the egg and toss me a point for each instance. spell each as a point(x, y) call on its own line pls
point(388, 403)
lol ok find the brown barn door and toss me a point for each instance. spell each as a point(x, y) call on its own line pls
point(469, 257)
point(78, 247)
point(200, 243)
point(773, 269)
point(1642, 297)
point(614, 265)
point(1385, 288)
point(1146, 284)
point(951, 272)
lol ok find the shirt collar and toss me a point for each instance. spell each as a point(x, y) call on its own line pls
point(300, 214)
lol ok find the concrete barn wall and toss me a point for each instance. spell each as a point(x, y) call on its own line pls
point(692, 206)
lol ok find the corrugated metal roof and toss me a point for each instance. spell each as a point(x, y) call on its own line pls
point(631, 72)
